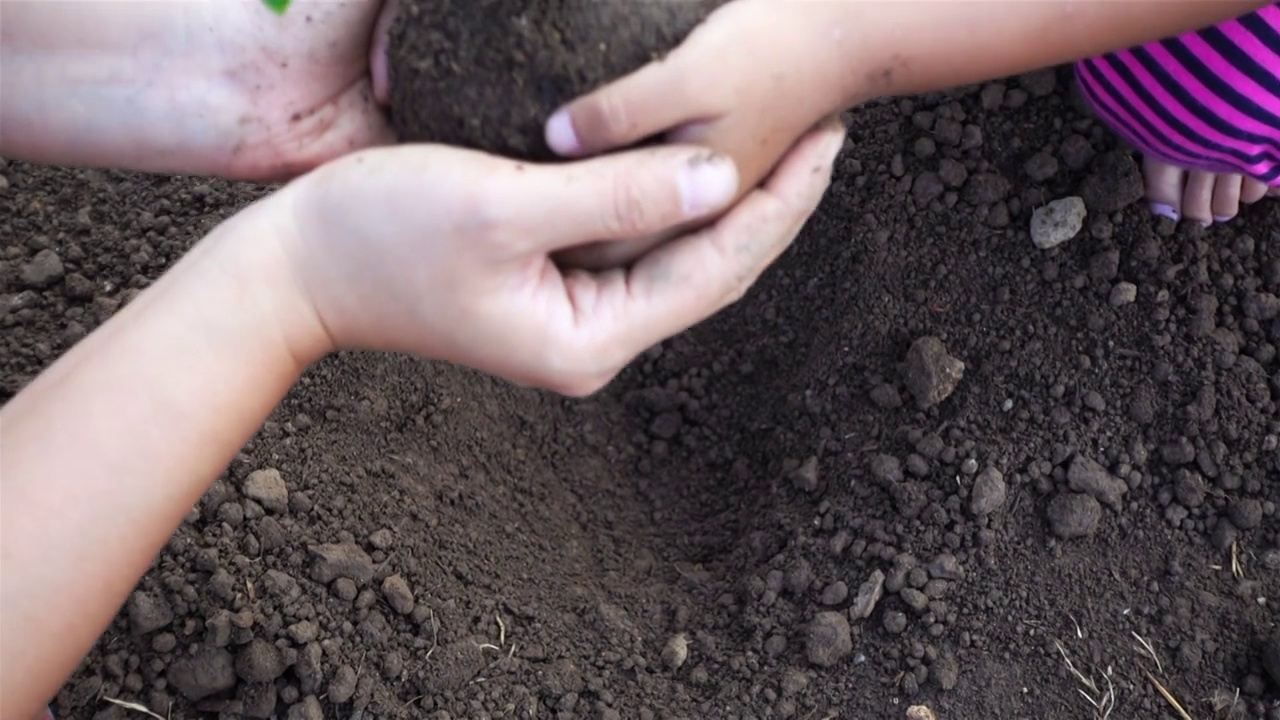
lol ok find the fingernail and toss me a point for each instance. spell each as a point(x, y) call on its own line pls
point(561, 136)
point(1167, 211)
point(707, 183)
point(1222, 218)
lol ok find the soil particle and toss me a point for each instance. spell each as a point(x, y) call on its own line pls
point(895, 622)
point(828, 640)
point(932, 374)
point(343, 685)
point(1246, 513)
point(945, 672)
point(835, 593)
point(208, 672)
point(147, 612)
point(341, 560)
point(1041, 167)
point(260, 662)
point(1122, 293)
point(309, 709)
point(398, 594)
point(1074, 515)
point(985, 189)
point(1115, 183)
point(1271, 659)
point(43, 270)
point(267, 488)
point(1086, 475)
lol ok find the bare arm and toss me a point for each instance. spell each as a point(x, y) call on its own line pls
point(907, 47)
point(117, 441)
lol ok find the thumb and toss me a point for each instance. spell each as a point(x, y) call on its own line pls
point(649, 101)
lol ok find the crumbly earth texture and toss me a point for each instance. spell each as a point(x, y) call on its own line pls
point(487, 74)
point(759, 518)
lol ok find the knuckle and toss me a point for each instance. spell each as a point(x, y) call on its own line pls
point(606, 119)
point(632, 211)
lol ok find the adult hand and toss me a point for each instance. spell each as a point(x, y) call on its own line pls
point(219, 88)
point(447, 253)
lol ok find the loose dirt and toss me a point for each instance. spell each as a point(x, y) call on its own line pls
point(925, 466)
point(486, 74)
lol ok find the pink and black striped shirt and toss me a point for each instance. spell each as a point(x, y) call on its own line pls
point(1206, 100)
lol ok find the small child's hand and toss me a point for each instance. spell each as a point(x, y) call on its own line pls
point(748, 82)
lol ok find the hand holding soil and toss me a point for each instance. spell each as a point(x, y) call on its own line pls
point(190, 88)
point(448, 85)
point(446, 253)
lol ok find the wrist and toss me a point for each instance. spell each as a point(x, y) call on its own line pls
point(251, 256)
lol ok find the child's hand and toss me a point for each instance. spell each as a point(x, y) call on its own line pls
point(748, 82)
point(445, 253)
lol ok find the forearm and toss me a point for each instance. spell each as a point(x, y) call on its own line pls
point(901, 47)
point(119, 84)
point(106, 452)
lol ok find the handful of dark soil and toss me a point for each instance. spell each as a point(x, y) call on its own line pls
point(486, 74)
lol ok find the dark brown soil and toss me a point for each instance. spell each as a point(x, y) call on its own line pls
point(486, 74)
point(758, 519)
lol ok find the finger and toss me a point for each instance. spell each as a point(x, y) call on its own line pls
point(379, 62)
point(691, 278)
point(649, 101)
point(620, 196)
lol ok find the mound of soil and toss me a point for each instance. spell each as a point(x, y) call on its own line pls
point(924, 463)
point(486, 74)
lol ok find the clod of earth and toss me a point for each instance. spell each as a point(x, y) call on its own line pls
point(829, 639)
point(487, 74)
point(931, 373)
point(1074, 515)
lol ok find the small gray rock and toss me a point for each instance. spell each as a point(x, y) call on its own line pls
point(1057, 222)
point(945, 671)
point(44, 270)
point(946, 567)
point(1074, 515)
point(989, 492)
point(835, 593)
point(869, 594)
point(829, 639)
point(147, 613)
point(1123, 293)
point(932, 374)
point(398, 594)
point(895, 623)
point(268, 489)
point(915, 599)
point(675, 652)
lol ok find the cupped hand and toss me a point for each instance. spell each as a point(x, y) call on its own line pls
point(216, 88)
point(447, 253)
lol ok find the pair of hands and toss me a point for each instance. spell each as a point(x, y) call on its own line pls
point(444, 252)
